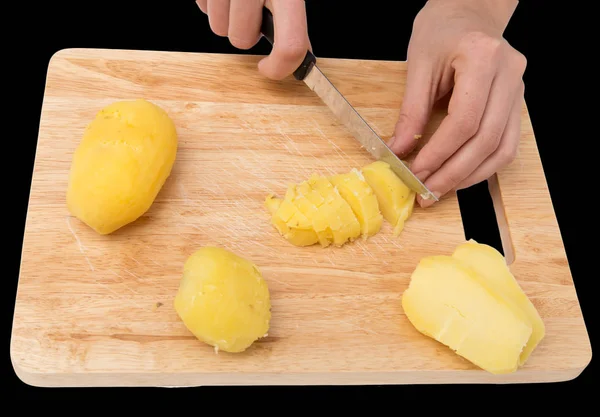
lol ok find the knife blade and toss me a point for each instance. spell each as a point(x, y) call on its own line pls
point(313, 77)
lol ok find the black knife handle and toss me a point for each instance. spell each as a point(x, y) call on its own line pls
point(268, 30)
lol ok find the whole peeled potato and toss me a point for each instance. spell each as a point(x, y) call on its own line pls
point(223, 299)
point(124, 158)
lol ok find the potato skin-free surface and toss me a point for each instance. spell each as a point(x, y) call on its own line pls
point(124, 158)
point(396, 200)
point(357, 192)
point(223, 299)
point(491, 267)
point(339, 208)
point(471, 303)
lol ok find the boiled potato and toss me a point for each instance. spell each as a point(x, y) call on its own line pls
point(314, 212)
point(291, 223)
point(357, 192)
point(223, 299)
point(491, 266)
point(309, 202)
point(334, 211)
point(396, 200)
point(125, 156)
point(471, 303)
point(342, 207)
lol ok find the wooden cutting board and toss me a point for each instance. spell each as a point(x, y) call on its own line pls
point(98, 310)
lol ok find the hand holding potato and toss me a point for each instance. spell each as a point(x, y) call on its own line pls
point(458, 45)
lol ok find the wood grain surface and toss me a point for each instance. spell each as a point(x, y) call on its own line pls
point(97, 310)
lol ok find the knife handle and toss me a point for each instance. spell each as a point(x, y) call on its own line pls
point(268, 31)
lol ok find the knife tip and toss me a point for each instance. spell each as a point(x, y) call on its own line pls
point(429, 196)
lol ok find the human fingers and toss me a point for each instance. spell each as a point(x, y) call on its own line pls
point(245, 17)
point(218, 16)
point(416, 107)
point(291, 39)
point(506, 152)
point(505, 87)
point(202, 5)
point(473, 80)
point(465, 111)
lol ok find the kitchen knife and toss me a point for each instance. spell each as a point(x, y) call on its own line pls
point(311, 75)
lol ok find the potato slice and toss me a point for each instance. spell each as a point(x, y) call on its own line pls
point(291, 223)
point(449, 302)
point(223, 300)
point(336, 211)
point(396, 200)
point(314, 211)
point(309, 202)
point(124, 158)
point(357, 192)
point(491, 266)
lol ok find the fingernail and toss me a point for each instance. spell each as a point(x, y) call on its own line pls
point(429, 202)
point(391, 141)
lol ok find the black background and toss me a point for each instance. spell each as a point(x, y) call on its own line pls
point(550, 36)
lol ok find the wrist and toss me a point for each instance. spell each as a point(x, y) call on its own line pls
point(496, 12)
point(500, 11)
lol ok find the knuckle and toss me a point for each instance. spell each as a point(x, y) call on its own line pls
point(293, 49)
point(453, 178)
point(519, 62)
point(467, 124)
point(409, 119)
point(508, 154)
point(491, 140)
point(521, 88)
point(419, 20)
point(482, 43)
point(434, 158)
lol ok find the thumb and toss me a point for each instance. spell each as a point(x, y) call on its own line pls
point(415, 110)
point(291, 40)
